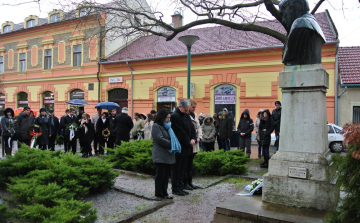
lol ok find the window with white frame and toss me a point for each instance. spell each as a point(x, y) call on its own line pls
point(30, 23)
point(22, 62)
point(84, 11)
point(1, 65)
point(47, 60)
point(55, 17)
point(356, 114)
point(7, 28)
point(77, 55)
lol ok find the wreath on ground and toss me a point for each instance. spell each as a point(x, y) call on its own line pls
point(74, 124)
point(35, 130)
point(59, 140)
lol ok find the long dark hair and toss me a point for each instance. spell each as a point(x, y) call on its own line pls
point(160, 116)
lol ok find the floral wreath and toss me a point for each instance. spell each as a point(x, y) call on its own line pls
point(74, 125)
point(35, 130)
point(106, 132)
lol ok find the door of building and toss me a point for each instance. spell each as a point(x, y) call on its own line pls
point(119, 96)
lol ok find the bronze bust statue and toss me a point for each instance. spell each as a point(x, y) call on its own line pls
point(305, 38)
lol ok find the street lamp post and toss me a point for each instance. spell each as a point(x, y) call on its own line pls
point(188, 40)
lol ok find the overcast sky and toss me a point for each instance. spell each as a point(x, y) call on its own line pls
point(345, 13)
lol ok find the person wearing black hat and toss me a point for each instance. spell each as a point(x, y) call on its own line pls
point(276, 116)
point(54, 129)
point(43, 121)
point(79, 117)
point(7, 123)
point(153, 113)
point(22, 123)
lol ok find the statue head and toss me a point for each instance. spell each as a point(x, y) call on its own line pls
point(293, 9)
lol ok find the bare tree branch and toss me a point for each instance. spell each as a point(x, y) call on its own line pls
point(317, 6)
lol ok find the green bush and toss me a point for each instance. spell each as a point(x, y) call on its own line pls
point(220, 163)
point(47, 187)
point(137, 156)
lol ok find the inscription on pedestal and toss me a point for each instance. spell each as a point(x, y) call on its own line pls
point(297, 172)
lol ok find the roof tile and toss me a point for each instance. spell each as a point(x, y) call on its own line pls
point(349, 65)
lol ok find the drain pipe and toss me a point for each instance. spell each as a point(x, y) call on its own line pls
point(342, 92)
point(132, 84)
point(336, 118)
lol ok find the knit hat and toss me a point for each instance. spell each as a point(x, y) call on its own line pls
point(277, 103)
point(125, 110)
point(42, 109)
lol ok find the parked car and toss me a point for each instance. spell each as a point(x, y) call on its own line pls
point(335, 138)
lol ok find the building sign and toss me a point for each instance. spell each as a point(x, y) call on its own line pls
point(115, 80)
point(22, 102)
point(49, 102)
point(166, 94)
point(2, 102)
point(225, 94)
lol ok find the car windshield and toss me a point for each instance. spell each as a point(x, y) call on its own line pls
point(330, 129)
point(337, 130)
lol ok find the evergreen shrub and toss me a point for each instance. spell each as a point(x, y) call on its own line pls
point(46, 185)
point(137, 156)
point(348, 168)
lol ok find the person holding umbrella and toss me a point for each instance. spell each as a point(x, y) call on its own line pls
point(7, 123)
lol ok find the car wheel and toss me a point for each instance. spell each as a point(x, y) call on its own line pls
point(336, 147)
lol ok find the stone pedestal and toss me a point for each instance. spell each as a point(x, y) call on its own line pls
point(300, 173)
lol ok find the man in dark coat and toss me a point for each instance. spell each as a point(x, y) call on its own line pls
point(123, 125)
point(79, 117)
point(54, 129)
point(71, 118)
point(266, 127)
point(94, 120)
point(225, 129)
point(185, 132)
point(62, 129)
point(22, 124)
point(112, 138)
point(276, 116)
point(245, 127)
point(43, 121)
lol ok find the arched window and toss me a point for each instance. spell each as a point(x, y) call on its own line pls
point(166, 98)
point(225, 97)
point(119, 96)
point(77, 94)
point(30, 23)
point(48, 100)
point(7, 28)
point(22, 99)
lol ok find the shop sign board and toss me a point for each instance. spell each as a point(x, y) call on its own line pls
point(2, 102)
point(225, 94)
point(22, 102)
point(49, 102)
point(166, 94)
point(115, 80)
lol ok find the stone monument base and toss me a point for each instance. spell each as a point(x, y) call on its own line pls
point(246, 209)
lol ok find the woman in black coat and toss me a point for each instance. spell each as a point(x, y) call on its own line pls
point(86, 134)
point(7, 123)
point(43, 121)
point(266, 127)
point(102, 124)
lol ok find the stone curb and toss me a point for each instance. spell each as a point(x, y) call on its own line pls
point(133, 173)
point(136, 193)
point(216, 181)
point(146, 211)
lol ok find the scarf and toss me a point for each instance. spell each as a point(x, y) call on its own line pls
point(175, 145)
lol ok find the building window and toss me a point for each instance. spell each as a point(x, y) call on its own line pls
point(1, 65)
point(77, 56)
point(225, 97)
point(7, 28)
point(22, 62)
point(48, 100)
point(47, 60)
point(30, 23)
point(84, 11)
point(22, 99)
point(55, 18)
point(356, 114)
point(166, 98)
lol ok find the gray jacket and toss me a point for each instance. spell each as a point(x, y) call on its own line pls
point(5, 123)
point(208, 130)
point(161, 144)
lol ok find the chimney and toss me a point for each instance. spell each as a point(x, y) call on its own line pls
point(177, 19)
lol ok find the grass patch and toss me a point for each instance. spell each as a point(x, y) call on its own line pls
point(254, 162)
point(238, 182)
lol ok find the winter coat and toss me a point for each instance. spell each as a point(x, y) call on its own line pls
point(198, 130)
point(147, 129)
point(123, 125)
point(138, 126)
point(208, 130)
point(184, 131)
point(246, 125)
point(100, 126)
point(226, 127)
point(5, 123)
point(54, 125)
point(22, 124)
point(94, 119)
point(161, 144)
point(112, 126)
point(68, 120)
point(43, 122)
point(276, 116)
point(86, 136)
point(266, 127)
